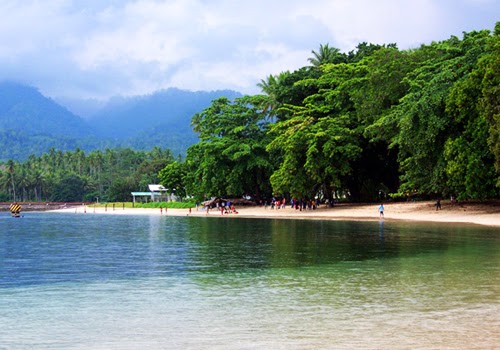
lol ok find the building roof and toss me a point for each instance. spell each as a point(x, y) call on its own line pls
point(141, 193)
point(156, 188)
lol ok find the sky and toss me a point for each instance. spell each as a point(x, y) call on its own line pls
point(103, 48)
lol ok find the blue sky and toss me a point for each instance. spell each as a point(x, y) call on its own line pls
point(102, 48)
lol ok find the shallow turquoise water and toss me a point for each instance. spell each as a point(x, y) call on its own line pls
point(83, 281)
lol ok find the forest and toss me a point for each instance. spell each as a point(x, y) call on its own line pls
point(74, 176)
point(374, 123)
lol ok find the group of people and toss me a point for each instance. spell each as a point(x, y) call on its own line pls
point(294, 203)
point(225, 207)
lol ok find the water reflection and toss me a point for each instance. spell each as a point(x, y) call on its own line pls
point(237, 244)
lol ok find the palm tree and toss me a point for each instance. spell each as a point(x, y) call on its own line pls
point(23, 182)
point(4, 181)
point(96, 163)
point(270, 87)
point(11, 169)
point(78, 161)
point(327, 54)
point(38, 181)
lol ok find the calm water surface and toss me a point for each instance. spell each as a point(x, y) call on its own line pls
point(83, 281)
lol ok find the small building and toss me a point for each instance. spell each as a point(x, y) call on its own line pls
point(157, 193)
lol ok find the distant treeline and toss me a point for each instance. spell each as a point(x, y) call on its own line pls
point(74, 176)
point(373, 123)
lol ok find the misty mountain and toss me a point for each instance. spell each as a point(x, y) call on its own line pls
point(164, 112)
point(161, 119)
point(25, 109)
point(31, 123)
point(82, 107)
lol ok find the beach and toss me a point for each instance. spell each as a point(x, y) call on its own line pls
point(423, 211)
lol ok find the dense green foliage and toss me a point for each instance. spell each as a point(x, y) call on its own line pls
point(172, 177)
point(76, 176)
point(231, 156)
point(360, 125)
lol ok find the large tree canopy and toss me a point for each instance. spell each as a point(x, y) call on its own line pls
point(318, 142)
point(231, 157)
point(440, 135)
point(372, 122)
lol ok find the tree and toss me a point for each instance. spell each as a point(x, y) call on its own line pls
point(295, 87)
point(70, 188)
point(121, 189)
point(469, 165)
point(438, 117)
point(489, 75)
point(173, 178)
point(11, 170)
point(270, 87)
point(231, 157)
point(319, 140)
point(364, 50)
point(374, 94)
point(327, 54)
point(4, 186)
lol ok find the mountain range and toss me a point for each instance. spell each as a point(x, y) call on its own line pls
point(31, 123)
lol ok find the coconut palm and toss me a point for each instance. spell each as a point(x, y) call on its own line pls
point(11, 170)
point(270, 87)
point(4, 181)
point(327, 54)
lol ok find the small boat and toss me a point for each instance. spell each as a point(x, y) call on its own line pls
point(15, 210)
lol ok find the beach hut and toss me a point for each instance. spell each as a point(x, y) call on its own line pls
point(157, 193)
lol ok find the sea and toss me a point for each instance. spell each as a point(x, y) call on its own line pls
point(87, 281)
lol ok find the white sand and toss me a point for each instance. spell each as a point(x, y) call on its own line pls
point(471, 213)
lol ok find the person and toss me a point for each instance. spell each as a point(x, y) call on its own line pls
point(438, 205)
point(381, 210)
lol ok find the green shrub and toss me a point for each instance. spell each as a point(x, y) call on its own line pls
point(173, 205)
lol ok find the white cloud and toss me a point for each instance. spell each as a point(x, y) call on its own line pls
point(99, 48)
point(384, 21)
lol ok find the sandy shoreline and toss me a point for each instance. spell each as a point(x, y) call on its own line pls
point(468, 213)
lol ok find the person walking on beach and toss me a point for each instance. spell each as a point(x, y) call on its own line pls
point(438, 205)
point(381, 210)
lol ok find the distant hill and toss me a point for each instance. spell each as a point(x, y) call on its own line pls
point(166, 110)
point(31, 123)
point(25, 109)
point(84, 108)
point(160, 119)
